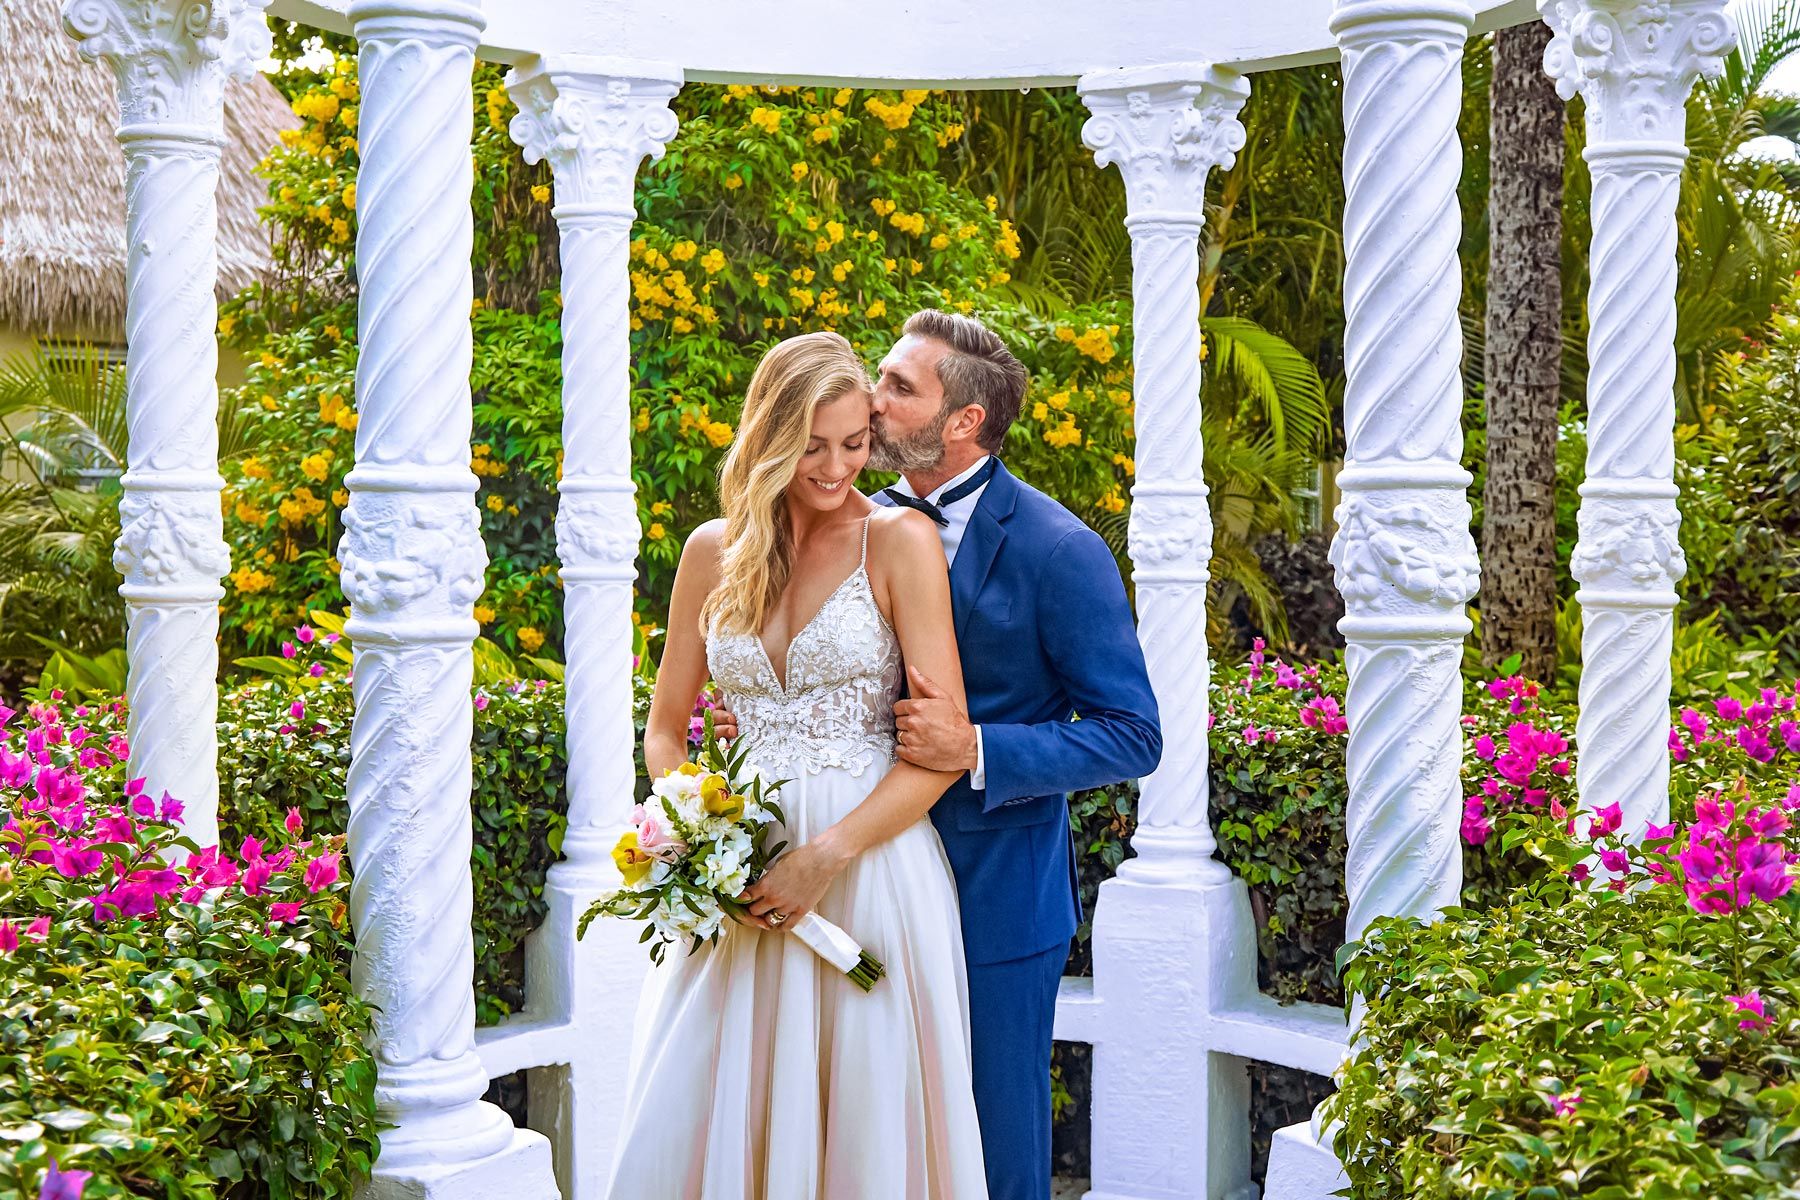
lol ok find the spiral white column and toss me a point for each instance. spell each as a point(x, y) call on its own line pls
point(1404, 558)
point(1634, 64)
point(1165, 129)
point(171, 61)
point(413, 563)
point(594, 120)
point(1173, 942)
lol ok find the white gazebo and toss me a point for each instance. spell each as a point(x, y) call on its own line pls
point(1172, 1011)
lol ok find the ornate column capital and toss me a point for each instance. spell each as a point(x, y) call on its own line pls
point(171, 57)
point(1635, 61)
point(1165, 128)
point(595, 119)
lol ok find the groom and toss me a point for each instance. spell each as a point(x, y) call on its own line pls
point(1045, 635)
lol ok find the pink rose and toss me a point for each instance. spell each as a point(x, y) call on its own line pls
point(658, 842)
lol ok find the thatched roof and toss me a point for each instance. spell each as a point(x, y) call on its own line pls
point(62, 181)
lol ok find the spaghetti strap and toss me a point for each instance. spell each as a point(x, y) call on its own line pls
point(864, 564)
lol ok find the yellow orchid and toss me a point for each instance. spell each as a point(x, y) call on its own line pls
point(632, 862)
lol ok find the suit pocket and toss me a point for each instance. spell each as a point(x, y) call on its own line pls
point(1038, 810)
point(994, 612)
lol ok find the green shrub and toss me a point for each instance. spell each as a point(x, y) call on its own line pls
point(182, 1032)
point(271, 761)
point(1623, 1041)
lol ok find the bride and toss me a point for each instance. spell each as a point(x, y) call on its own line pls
point(759, 1073)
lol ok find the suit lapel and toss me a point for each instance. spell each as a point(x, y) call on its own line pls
point(980, 544)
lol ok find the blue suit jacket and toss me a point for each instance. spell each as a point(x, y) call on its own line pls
point(1045, 634)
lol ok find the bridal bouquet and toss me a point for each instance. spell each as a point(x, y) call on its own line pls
point(692, 849)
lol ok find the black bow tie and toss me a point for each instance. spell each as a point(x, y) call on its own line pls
point(961, 491)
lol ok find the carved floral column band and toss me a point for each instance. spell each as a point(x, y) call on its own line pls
point(595, 120)
point(1634, 63)
point(1404, 559)
point(171, 60)
point(1165, 128)
point(413, 563)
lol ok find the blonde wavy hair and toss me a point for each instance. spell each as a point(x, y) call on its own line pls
point(791, 382)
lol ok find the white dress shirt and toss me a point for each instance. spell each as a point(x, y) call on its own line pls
point(951, 536)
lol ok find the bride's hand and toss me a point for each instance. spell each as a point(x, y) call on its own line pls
point(793, 885)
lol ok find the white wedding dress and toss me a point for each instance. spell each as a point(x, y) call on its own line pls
point(758, 1071)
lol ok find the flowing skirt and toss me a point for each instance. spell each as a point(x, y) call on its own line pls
point(760, 1073)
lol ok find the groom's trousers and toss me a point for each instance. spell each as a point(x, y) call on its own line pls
point(1012, 1009)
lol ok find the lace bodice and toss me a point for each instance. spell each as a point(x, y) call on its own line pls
point(843, 676)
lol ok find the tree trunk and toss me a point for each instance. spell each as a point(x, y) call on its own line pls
point(1524, 355)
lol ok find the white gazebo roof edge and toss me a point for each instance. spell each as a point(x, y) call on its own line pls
point(938, 44)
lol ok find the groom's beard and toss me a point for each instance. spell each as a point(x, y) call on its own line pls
point(920, 450)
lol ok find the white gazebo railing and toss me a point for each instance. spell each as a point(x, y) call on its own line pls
point(1172, 1011)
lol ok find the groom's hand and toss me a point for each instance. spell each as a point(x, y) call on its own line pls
point(933, 732)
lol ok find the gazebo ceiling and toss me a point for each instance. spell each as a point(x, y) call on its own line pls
point(939, 43)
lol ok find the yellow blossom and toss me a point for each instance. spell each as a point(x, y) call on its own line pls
point(1064, 435)
point(894, 116)
point(268, 402)
point(484, 614)
point(334, 333)
point(841, 98)
point(339, 498)
point(1112, 502)
point(254, 468)
point(1058, 401)
point(1039, 411)
point(803, 274)
point(882, 207)
point(713, 261)
point(1096, 344)
point(315, 467)
point(718, 433)
point(249, 579)
point(766, 119)
point(541, 193)
point(1009, 240)
point(1125, 461)
point(840, 271)
point(877, 309)
point(531, 639)
point(349, 197)
point(940, 241)
point(682, 325)
point(656, 532)
point(761, 278)
point(226, 325)
point(495, 503)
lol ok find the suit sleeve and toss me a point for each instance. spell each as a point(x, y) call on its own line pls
point(1086, 631)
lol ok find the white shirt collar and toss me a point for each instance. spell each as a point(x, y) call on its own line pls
point(906, 489)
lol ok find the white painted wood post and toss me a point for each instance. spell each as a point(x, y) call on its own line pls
point(1404, 558)
point(1173, 940)
point(594, 120)
point(1634, 63)
point(413, 564)
point(171, 61)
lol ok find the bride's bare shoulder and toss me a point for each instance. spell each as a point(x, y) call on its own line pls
point(903, 538)
point(700, 553)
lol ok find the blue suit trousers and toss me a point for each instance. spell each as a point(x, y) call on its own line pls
point(1012, 1008)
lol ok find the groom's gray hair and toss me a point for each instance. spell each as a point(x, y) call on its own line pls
point(979, 369)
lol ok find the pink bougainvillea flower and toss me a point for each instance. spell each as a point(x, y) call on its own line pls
point(1475, 829)
point(256, 876)
point(9, 937)
point(1655, 834)
point(1565, 1103)
point(1728, 709)
point(1677, 748)
point(193, 894)
point(481, 702)
point(293, 822)
point(7, 714)
point(1754, 741)
point(288, 650)
point(63, 1185)
point(321, 872)
point(330, 638)
point(1751, 1002)
point(72, 862)
point(172, 809)
point(1252, 734)
point(1772, 823)
point(297, 710)
point(303, 634)
point(251, 850)
point(1579, 872)
point(1484, 748)
point(1606, 820)
point(285, 913)
point(1712, 816)
point(317, 670)
point(115, 828)
point(1615, 861)
point(39, 929)
point(143, 806)
point(1792, 799)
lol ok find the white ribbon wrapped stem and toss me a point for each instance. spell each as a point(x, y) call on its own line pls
point(828, 942)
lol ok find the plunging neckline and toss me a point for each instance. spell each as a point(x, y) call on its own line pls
point(787, 656)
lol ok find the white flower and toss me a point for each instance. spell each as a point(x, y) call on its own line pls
point(725, 870)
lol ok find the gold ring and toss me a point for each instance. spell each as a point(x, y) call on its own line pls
point(775, 918)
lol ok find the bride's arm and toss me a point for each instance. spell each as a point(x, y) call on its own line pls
point(916, 587)
point(682, 672)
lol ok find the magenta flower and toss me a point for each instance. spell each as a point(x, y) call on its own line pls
point(288, 650)
point(171, 809)
point(1484, 748)
point(63, 1185)
point(481, 702)
point(1772, 823)
point(9, 937)
point(256, 876)
point(317, 670)
point(1751, 1002)
point(1606, 820)
point(304, 633)
point(285, 913)
point(1615, 861)
point(1565, 1103)
point(321, 872)
point(143, 806)
point(293, 822)
point(297, 710)
point(39, 929)
point(1658, 834)
point(1252, 734)
point(1728, 708)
